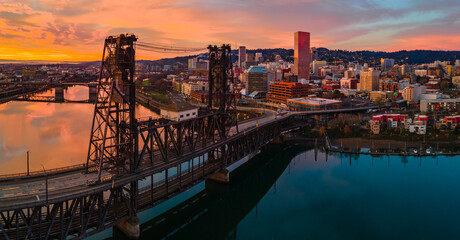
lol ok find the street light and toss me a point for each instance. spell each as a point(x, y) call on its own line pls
point(28, 163)
point(46, 183)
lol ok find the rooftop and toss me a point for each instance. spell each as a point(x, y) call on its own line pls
point(442, 100)
point(315, 101)
point(179, 107)
point(257, 69)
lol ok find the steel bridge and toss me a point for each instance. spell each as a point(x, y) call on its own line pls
point(28, 91)
point(50, 99)
point(135, 165)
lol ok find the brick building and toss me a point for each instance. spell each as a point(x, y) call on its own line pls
point(282, 91)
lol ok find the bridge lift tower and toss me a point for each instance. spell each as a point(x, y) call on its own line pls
point(222, 86)
point(114, 131)
point(114, 142)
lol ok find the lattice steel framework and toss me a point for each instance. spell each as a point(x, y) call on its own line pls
point(221, 86)
point(83, 213)
point(113, 143)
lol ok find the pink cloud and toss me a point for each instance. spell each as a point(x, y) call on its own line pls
point(425, 42)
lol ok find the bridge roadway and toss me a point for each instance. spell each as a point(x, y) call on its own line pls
point(49, 83)
point(31, 191)
point(50, 99)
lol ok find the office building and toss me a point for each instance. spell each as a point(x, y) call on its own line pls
point(250, 57)
point(348, 83)
point(440, 105)
point(388, 86)
point(412, 93)
point(369, 80)
point(380, 95)
point(387, 64)
point(316, 65)
point(188, 88)
point(282, 91)
point(349, 74)
point(192, 63)
point(202, 65)
point(302, 56)
point(241, 56)
point(256, 79)
point(259, 57)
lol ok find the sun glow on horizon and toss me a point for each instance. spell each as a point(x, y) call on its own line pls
point(63, 30)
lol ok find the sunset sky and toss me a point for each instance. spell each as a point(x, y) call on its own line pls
point(73, 30)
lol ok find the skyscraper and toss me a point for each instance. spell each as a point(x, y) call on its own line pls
point(387, 63)
point(302, 56)
point(241, 56)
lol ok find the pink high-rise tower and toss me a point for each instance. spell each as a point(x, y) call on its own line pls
point(302, 56)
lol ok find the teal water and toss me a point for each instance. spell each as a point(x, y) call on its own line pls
point(287, 193)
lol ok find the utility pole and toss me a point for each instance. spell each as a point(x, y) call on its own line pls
point(28, 163)
point(46, 184)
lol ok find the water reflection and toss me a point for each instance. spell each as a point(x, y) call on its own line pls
point(56, 134)
point(74, 93)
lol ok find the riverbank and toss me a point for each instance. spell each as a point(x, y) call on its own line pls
point(393, 147)
point(369, 143)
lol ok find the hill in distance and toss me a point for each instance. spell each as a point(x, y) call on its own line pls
point(371, 57)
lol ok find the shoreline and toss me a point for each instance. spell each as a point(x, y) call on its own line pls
point(383, 143)
point(394, 147)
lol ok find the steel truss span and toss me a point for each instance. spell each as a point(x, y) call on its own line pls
point(174, 157)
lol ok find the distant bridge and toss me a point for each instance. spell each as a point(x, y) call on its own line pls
point(26, 91)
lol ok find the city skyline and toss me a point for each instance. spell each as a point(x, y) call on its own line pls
point(74, 30)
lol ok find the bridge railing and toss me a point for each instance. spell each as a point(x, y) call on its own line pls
point(42, 172)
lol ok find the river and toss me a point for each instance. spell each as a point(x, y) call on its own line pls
point(55, 134)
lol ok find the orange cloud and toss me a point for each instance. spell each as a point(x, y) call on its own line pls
point(75, 29)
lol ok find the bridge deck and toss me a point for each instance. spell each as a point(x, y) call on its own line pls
point(28, 191)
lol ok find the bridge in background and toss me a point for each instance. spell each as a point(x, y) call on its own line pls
point(29, 91)
point(134, 165)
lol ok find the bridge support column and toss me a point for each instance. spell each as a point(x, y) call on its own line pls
point(59, 94)
point(131, 227)
point(92, 92)
point(221, 176)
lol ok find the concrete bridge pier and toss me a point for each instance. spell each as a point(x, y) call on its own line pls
point(221, 176)
point(130, 228)
point(59, 94)
point(92, 92)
